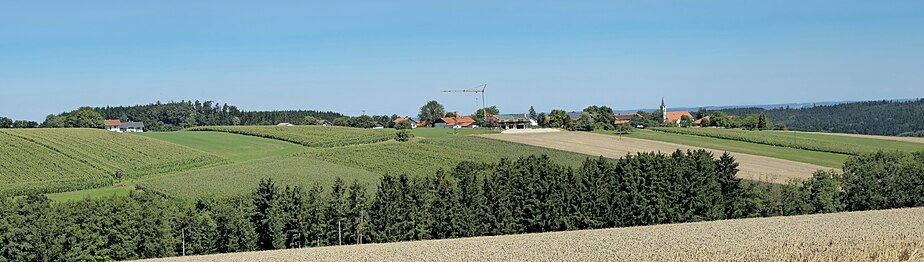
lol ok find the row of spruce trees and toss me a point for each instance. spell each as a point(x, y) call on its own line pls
point(527, 195)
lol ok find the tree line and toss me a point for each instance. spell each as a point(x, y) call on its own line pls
point(179, 115)
point(872, 117)
point(527, 195)
point(6, 122)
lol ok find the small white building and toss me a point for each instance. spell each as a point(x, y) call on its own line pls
point(123, 127)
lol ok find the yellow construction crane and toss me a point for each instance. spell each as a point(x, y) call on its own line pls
point(484, 107)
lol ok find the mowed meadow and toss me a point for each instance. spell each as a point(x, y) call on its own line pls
point(71, 164)
point(228, 160)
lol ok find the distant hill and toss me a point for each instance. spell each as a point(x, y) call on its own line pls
point(886, 117)
point(767, 106)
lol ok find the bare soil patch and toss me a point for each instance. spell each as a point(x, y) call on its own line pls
point(752, 167)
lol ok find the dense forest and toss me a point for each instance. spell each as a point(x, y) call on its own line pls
point(872, 118)
point(531, 194)
point(178, 115)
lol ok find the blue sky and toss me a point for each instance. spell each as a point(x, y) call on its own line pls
point(393, 56)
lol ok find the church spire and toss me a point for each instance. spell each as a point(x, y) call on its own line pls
point(663, 111)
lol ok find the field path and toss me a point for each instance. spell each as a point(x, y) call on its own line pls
point(886, 235)
point(752, 167)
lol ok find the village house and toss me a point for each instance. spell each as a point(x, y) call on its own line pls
point(123, 127)
point(513, 121)
point(623, 118)
point(402, 119)
point(455, 122)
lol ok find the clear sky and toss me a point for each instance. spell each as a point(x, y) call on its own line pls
point(393, 56)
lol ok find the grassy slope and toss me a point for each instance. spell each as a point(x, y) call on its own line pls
point(805, 156)
point(242, 178)
point(436, 132)
point(311, 136)
point(810, 141)
point(426, 156)
point(235, 147)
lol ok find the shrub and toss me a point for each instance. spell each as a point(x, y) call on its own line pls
point(402, 135)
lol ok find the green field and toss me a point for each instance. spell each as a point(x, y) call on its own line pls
point(242, 178)
point(436, 132)
point(801, 140)
point(59, 160)
point(311, 136)
point(234, 147)
point(429, 155)
point(799, 155)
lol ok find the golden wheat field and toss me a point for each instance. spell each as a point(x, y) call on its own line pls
point(889, 235)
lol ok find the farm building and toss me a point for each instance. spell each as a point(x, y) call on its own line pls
point(676, 116)
point(325, 123)
point(122, 127)
point(623, 118)
point(451, 122)
point(513, 121)
point(112, 125)
point(285, 124)
point(402, 119)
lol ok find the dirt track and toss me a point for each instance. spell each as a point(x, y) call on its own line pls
point(751, 166)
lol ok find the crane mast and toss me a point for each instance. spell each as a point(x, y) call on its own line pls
point(484, 106)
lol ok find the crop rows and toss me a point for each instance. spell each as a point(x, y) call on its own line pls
point(59, 160)
point(429, 155)
point(312, 136)
point(806, 141)
point(27, 167)
point(242, 178)
point(886, 235)
point(135, 156)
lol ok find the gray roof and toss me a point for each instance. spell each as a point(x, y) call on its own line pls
point(135, 125)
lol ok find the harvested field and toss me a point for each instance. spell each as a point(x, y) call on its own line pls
point(886, 235)
point(751, 166)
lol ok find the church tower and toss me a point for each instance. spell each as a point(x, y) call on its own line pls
point(663, 111)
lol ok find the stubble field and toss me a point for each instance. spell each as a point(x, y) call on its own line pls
point(885, 235)
point(751, 166)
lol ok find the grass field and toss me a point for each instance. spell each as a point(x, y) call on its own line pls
point(886, 235)
point(429, 155)
point(241, 179)
point(311, 136)
point(852, 145)
point(826, 159)
point(59, 160)
point(234, 147)
point(752, 167)
point(436, 132)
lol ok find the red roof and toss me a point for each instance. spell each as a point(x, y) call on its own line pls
point(463, 121)
point(112, 122)
point(674, 117)
point(401, 119)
